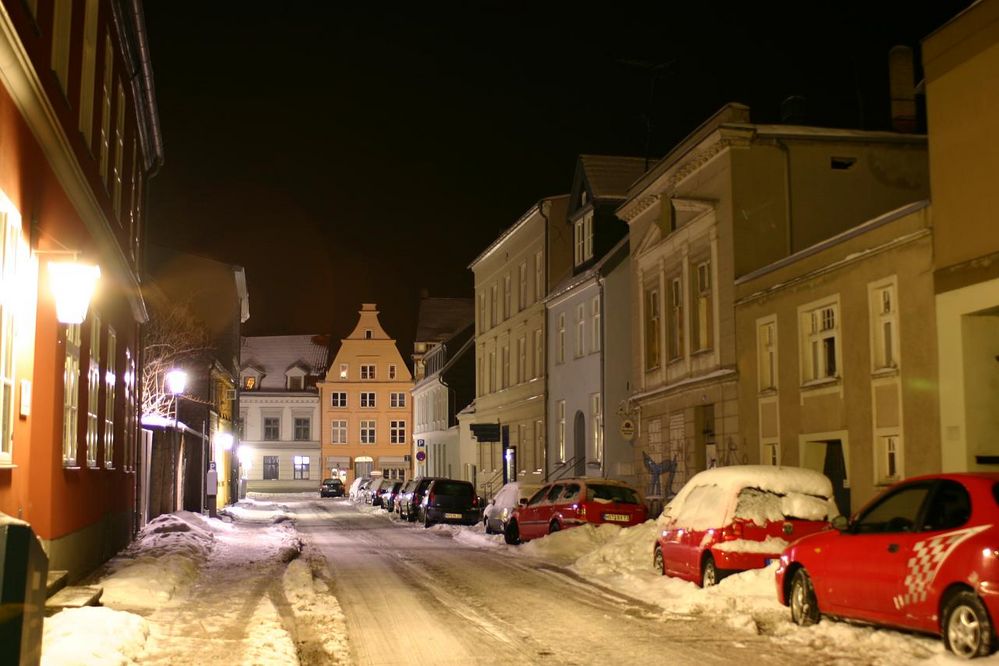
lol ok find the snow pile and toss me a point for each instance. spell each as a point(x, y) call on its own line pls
point(93, 635)
point(566, 546)
point(162, 562)
point(320, 625)
point(253, 510)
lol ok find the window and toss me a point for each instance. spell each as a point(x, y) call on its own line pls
point(539, 352)
point(367, 432)
point(505, 351)
point(580, 328)
point(397, 399)
point(480, 376)
point(344, 371)
point(522, 359)
point(539, 276)
point(820, 328)
point(702, 317)
point(595, 319)
point(296, 383)
point(110, 378)
point(539, 445)
point(896, 512)
point(522, 286)
point(652, 330)
point(62, 17)
point(397, 432)
point(392, 371)
point(270, 468)
point(675, 319)
point(771, 454)
point(338, 399)
point(483, 322)
point(495, 304)
point(766, 342)
point(884, 324)
point(131, 410)
point(119, 153)
point(93, 389)
point(583, 239)
point(492, 371)
point(367, 371)
point(889, 462)
point(597, 421)
point(105, 138)
point(507, 296)
point(272, 428)
point(249, 382)
point(560, 352)
point(71, 394)
point(367, 399)
point(88, 72)
point(338, 434)
point(10, 241)
point(303, 429)
point(300, 467)
point(367, 334)
point(561, 430)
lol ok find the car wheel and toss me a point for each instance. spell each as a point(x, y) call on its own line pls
point(709, 572)
point(489, 530)
point(967, 630)
point(804, 606)
point(512, 533)
point(553, 528)
point(657, 560)
point(426, 520)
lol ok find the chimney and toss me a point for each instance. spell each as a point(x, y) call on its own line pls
point(902, 89)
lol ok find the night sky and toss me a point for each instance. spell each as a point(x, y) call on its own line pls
point(346, 154)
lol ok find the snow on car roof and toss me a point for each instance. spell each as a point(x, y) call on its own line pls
point(715, 491)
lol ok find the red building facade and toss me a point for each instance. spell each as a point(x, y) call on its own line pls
point(79, 138)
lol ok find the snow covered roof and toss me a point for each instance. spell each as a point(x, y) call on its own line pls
point(275, 354)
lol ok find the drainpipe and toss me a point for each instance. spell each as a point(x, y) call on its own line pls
point(787, 194)
point(544, 337)
point(603, 381)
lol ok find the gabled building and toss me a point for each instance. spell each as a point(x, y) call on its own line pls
point(512, 277)
point(438, 319)
point(279, 448)
point(961, 65)
point(365, 405)
point(731, 198)
point(80, 140)
point(589, 351)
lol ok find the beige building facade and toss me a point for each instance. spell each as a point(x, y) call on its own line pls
point(731, 198)
point(961, 64)
point(512, 278)
point(365, 404)
point(837, 365)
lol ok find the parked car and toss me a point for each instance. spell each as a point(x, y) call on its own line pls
point(357, 487)
point(450, 501)
point(404, 495)
point(922, 556)
point(331, 488)
point(371, 491)
point(497, 513)
point(740, 517)
point(410, 502)
point(388, 495)
point(572, 502)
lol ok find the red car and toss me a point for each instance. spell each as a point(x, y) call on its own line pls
point(922, 556)
point(572, 502)
point(740, 517)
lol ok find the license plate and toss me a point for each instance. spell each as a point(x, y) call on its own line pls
point(617, 517)
point(458, 516)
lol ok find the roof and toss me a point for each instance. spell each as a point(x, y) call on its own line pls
point(610, 176)
point(441, 318)
point(537, 208)
point(275, 354)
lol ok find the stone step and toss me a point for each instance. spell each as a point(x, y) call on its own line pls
point(56, 581)
point(74, 596)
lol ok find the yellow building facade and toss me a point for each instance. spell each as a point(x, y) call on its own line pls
point(366, 410)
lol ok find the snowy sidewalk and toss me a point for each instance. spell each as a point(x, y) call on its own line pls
point(237, 590)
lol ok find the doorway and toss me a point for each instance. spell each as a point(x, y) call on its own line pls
point(579, 444)
point(834, 467)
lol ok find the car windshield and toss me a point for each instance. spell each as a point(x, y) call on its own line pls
point(762, 506)
point(609, 493)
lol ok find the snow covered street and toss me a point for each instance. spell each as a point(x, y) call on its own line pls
point(295, 579)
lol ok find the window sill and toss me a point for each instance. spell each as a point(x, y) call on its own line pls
point(891, 371)
point(7, 465)
point(824, 382)
point(71, 467)
point(768, 392)
point(701, 352)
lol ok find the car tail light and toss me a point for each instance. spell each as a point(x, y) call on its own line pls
point(475, 502)
point(430, 498)
point(582, 511)
point(732, 532)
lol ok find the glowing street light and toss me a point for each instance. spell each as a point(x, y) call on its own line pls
point(72, 286)
point(176, 381)
point(223, 440)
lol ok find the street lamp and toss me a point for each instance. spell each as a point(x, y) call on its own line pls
point(176, 382)
point(72, 286)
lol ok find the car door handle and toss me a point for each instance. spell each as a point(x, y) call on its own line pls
point(893, 548)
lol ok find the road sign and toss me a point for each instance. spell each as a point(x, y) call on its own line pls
point(421, 456)
point(421, 442)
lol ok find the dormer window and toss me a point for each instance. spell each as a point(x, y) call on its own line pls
point(367, 334)
point(249, 383)
point(583, 239)
point(583, 198)
point(296, 383)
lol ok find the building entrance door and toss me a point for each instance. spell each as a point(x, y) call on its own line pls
point(579, 445)
point(834, 467)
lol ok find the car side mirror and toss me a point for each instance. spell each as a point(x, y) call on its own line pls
point(841, 523)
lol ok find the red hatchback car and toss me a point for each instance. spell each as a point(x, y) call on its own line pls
point(739, 517)
point(572, 502)
point(922, 556)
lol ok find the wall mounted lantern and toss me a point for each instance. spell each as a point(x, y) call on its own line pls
point(73, 286)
